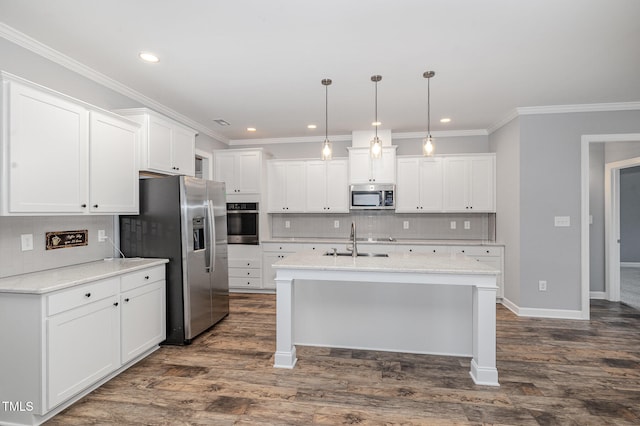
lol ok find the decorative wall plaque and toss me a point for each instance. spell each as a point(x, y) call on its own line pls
point(64, 239)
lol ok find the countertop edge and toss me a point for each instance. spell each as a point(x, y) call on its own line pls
point(16, 284)
point(480, 243)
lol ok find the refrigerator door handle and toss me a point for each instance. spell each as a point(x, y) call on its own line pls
point(212, 237)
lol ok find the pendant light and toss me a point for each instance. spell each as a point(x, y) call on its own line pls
point(327, 150)
point(427, 143)
point(375, 148)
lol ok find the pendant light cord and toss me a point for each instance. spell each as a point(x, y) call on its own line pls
point(326, 112)
point(376, 111)
point(428, 107)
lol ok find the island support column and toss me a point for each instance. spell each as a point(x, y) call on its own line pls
point(483, 365)
point(285, 356)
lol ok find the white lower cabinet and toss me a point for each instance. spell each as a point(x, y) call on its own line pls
point(272, 253)
point(70, 341)
point(245, 267)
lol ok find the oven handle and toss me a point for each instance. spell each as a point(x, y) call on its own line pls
point(241, 211)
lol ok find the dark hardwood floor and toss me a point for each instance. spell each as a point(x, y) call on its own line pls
point(551, 372)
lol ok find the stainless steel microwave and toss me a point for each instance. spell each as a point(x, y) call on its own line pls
point(373, 197)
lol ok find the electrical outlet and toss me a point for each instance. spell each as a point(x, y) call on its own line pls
point(467, 224)
point(542, 285)
point(27, 242)
point(453, 224)
point(287, 224)
point(336, 224)
point(405, 224)
point(102, 236)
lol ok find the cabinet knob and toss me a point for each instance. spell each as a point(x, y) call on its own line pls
point(126, 300)
point(95, 206)
point(146, 277)
point(248, 264)
point(463, 251)
point(87, 294)
point(83, 206)
point(248, 273)
point(116, 304)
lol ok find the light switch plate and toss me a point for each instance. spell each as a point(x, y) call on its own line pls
point(467, 224)
point(101, 235)
point(405, 224)
point(287, 224)
point(336, 224)
point(453, 224)
point(26, 241)
point(562, 221)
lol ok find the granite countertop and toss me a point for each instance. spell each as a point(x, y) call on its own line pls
point(384, 241)
point(57, 279)
point(395, 262)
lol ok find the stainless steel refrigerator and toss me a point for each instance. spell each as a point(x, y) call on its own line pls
point(184, 220)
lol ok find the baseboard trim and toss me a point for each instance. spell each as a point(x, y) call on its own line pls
point(541, 313)
point(630, 264)
point(599, 295)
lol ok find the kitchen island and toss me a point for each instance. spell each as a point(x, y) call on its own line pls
point(419, 303)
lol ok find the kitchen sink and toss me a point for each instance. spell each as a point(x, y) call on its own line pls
point(347, 253)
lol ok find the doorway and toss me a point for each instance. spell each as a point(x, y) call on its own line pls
point(204, 164)
point(622, 204)
point(612, 273)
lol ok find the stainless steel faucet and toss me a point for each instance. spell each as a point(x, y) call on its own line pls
point(354, 248)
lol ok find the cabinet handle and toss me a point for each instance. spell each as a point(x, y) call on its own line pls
point(84, 206)
point(126, 300)
point(95, 206)
point(146, 277)
point(463, 251)
point(248, 273)
point(248, 264)
point(87, 294)
point(116, 304)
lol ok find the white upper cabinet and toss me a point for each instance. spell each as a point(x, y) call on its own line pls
point(420, 185)
point(469, 183)
point(286, 186)
point(240, 169)
point(113, 165)
point(166, 146)
point(56, 161)
point(327, 186)
point(364, 169)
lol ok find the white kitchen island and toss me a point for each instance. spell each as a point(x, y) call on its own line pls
point(417, 303)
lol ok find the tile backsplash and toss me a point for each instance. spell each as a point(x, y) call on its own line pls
point(14, 261)
point(382, 225)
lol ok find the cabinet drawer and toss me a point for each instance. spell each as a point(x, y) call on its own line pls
point(236, 282)
point(478, 250)
point(287, 247)
point(82, 295)
point(423, 249)
point(245, 263)
point(145, 276)
point(245, 273)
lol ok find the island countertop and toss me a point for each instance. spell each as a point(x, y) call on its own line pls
point(453, 263)
point(50, 280)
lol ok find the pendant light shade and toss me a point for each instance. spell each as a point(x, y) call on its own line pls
point(327, 148)
point(428, 146)
point(375, 148)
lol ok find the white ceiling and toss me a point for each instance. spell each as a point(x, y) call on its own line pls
point(259, 63)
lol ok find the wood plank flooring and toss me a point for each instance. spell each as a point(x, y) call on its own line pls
point(551, 372)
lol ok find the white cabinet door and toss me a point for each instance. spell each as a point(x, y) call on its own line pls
point(269, 274)
point(316, 187)
point(337, 186)
point(408, 187)
point(113, 165)
point(159, 145)
point(364, 169)
point(286, 186)
point(47, 153)
point(240, 170)
point(83, 346)
point(249, 172)
point(482, 184)
point(143, 321)
point(183, 151)
point(469, 184)
point(431, 185)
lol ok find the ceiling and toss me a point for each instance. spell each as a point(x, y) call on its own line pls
point(257, 63)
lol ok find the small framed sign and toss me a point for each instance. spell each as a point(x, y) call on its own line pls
point(64, 239)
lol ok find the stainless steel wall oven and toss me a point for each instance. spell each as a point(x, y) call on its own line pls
point(243, 223)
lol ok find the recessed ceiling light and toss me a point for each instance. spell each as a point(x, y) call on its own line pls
point(311, 126)
point(376, 123)
point(445, 120)
point(251, 129)
point(221, 122)
point(148, 57)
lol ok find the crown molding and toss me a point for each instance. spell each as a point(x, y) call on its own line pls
point(440, 134)
point(301, 139)
point(29, 43)
point(564, 109)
